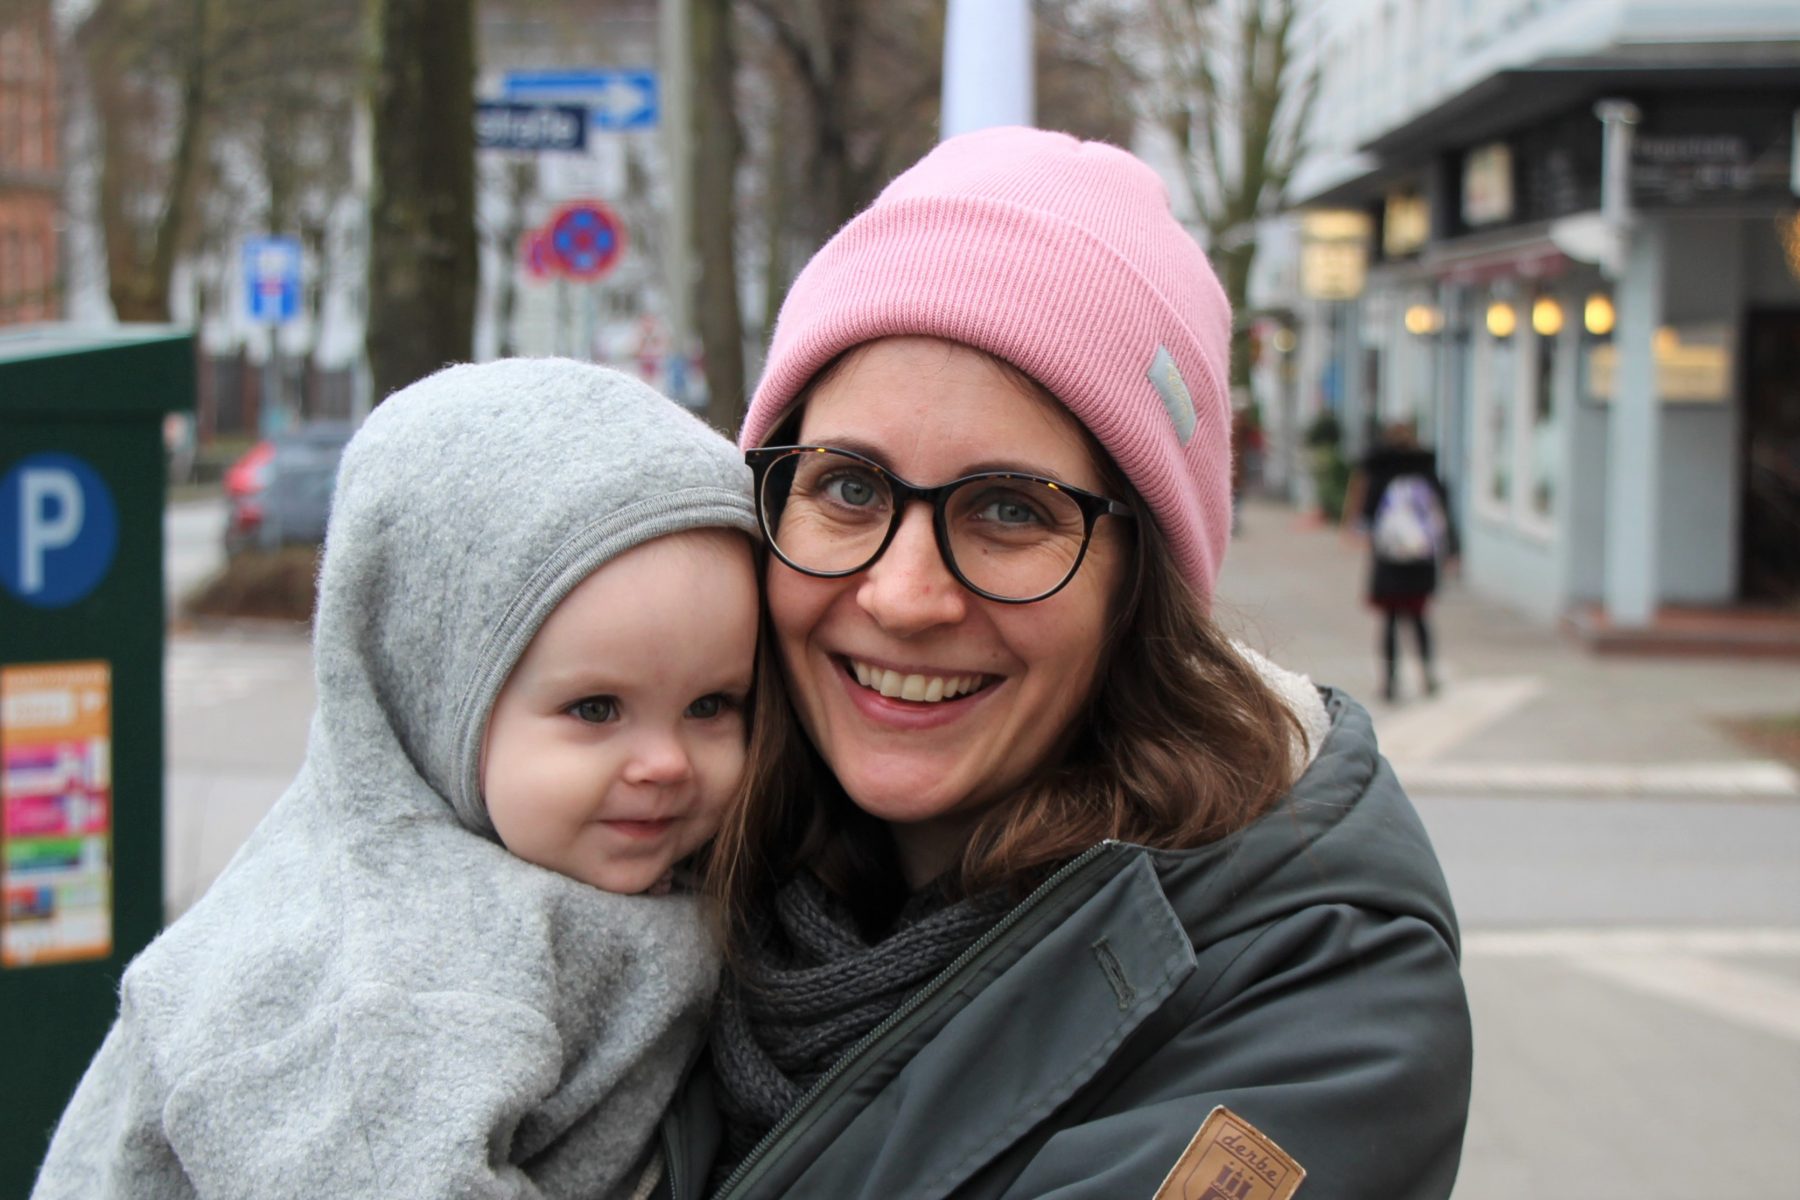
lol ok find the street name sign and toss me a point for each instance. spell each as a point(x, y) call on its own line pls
point(511, 125)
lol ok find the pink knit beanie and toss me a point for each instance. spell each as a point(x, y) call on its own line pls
point(1063, 258)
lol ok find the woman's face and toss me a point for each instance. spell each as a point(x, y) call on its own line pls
point(931, 411)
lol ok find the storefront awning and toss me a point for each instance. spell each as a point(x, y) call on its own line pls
point(1507, 100)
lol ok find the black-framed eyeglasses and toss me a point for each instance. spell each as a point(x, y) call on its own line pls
point(1004, 535)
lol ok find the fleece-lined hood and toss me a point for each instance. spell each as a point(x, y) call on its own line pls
point(467, 506)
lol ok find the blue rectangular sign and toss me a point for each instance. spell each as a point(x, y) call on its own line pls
point(272, 278)
point(618, 100)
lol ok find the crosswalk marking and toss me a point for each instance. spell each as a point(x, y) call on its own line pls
point(1678, 965)
point(1726, 779)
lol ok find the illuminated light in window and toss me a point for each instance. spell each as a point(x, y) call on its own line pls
point(1667, 341)
point(1546, 316)
point(1501, 319)
point(1598, 315)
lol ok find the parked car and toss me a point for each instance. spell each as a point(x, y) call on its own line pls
point(280, 489)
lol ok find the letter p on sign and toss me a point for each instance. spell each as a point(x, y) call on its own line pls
point(58, 530)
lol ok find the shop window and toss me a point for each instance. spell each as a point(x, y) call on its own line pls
point(1494, 388)
point(1518, 439)
point(1540, 442)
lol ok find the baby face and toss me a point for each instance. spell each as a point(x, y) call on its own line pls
point(619, 737)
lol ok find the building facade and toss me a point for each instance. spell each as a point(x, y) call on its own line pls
point(30, 167)
point(1581, 279)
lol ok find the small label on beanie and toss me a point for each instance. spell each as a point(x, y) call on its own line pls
point(1166, 378)
point(1231, 1159)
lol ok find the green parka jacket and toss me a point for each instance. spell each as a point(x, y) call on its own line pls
point(1302, 972)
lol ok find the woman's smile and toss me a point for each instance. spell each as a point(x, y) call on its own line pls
point(920, 686)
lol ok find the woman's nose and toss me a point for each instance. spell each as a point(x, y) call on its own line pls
point(909, 589)
point(659, 759)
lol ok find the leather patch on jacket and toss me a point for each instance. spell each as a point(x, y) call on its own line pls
point(1231, 1159)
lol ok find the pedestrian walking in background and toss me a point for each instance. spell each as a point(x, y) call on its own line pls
point(1397, 500)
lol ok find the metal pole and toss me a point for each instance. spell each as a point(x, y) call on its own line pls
point(676, 99)
point(988, 78)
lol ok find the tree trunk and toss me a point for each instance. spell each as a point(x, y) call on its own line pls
point(1234, 276)
point(423, 266)
point(717, 145)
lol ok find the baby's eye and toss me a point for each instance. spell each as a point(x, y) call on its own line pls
point(595, 710)
point(708, 707)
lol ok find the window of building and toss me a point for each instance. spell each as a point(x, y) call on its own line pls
point(1519, 346)
point(1539, 435)
point(1493, 387)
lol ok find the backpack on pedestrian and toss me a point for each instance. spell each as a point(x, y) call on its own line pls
point(1409, 524)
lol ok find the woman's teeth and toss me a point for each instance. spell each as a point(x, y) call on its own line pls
point(927, 688)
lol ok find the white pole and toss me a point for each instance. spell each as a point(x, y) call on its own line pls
point(677, 147)
point(987, 65)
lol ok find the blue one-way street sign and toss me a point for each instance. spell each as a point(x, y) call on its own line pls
point(618, 100)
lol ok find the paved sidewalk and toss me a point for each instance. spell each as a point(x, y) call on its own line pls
point(1524, 706)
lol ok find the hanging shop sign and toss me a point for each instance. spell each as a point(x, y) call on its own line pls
point(1487, 185)
point(1334, 254)
point(1405, 224)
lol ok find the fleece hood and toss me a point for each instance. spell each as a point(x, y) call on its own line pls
point(467, 506)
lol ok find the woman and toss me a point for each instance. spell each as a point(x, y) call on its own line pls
point(1047, 870)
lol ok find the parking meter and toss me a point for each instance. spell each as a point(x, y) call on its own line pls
point(81, 697)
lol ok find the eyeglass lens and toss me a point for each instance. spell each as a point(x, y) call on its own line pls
point(1013, 538)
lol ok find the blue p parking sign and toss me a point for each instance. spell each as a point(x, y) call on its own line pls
point(59, 530)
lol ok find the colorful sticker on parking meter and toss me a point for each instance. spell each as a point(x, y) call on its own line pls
point(55, 812)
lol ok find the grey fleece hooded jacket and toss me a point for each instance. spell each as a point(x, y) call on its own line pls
point(376, 998)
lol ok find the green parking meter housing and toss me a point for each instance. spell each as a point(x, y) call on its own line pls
point(81, 697)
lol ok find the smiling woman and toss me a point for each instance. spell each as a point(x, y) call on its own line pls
point(1040, 885)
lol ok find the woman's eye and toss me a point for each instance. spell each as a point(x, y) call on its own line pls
point(595, 710)
point(851, 489)
point(708, 707)
point(1007, 509)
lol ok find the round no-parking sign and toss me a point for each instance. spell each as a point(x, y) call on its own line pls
point(59, 529)
point(586, 239)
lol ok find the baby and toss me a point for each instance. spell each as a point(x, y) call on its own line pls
point(457, 958)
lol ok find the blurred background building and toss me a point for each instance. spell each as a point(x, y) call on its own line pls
point(30, 166)
point(1561, 236)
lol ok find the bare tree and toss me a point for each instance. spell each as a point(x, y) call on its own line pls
point(856, 83)
point(1232, 98)
point(174, 81)
point(423, 265)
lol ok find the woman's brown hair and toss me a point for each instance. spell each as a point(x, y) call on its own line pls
point(1180, 744)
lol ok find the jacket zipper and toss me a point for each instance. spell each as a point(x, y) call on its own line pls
point(792, 1121)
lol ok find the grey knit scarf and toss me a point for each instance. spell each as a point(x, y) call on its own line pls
point(810, 986)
